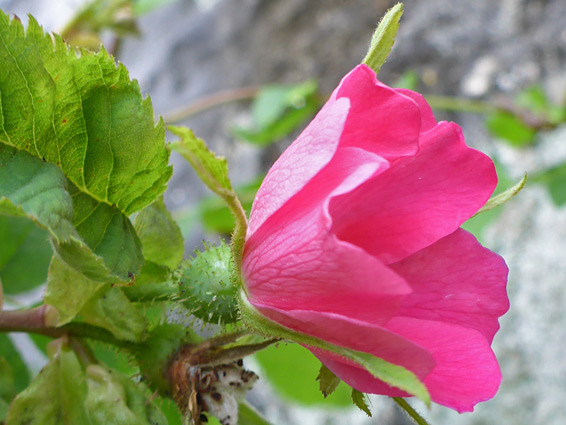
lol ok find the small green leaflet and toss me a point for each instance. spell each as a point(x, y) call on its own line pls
point(211, 169)
point(328, 382)
point(359, 399)
point(383, 38)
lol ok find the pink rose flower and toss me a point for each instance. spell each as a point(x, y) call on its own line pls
point(355, 239)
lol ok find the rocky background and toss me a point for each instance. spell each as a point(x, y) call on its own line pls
point(478, 49)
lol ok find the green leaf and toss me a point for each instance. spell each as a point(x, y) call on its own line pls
point(4, 406)
point(141, 7)
point(408, 80)
point(68, 299)
point(554, 178)
point(359, 399)
point(112, 310)
point(328, 382)
point(56, 396)
point(211, 169)
point(292, 370)
point(19, 370)
point(114, 399)
point(83, 114)
point(162, 242)
point(170, 411)
point(7, 385)
point(64, 394)
point(272, 101)
point(533, 98)
point(85, 28)
point(93, 237)
point(25, 253)
point(511, 128)
point(248, 415)
point(114, 358)
point(500, 199)
point(211, 420)
point(383, 38)
point(154, 283)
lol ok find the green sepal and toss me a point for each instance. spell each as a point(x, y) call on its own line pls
point(383, 38)
point(503, 197)
point(394, 375)
point(213, 171)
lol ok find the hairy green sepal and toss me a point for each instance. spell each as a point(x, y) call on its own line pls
point(394, 375)
point(383, 38)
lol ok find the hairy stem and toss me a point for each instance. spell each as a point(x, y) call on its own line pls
point(413, 414)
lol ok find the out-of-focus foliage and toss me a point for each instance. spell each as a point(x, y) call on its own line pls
point(278, 110)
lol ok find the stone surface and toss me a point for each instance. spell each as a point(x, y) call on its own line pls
point(479, 48)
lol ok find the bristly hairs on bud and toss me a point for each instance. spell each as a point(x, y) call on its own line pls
point(206, 285)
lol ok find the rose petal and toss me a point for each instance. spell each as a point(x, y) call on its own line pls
point(466, 370)
point(356, 335)
point(428, 122)
point(380, 120)
point(465, 374)
point(294, 262)
point(456, 280)
point(418, 200)
point(300, 162)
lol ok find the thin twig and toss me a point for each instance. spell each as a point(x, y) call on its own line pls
point(211, 101)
